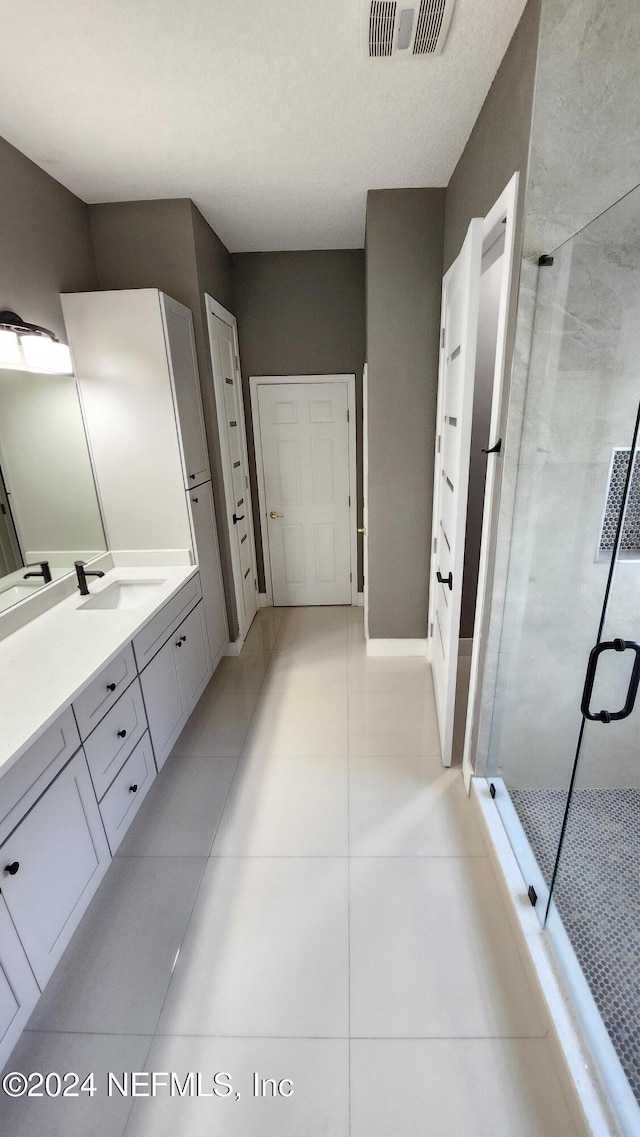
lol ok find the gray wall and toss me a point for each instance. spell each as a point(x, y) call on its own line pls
point(497, 147)
point(45, 240)
point(167, 244)
point(499, 142)
point(404, 248)
point(300, 313)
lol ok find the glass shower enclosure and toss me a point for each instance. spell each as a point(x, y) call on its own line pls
point(564, 755)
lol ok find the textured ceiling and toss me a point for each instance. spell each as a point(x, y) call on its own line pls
point(266, 112)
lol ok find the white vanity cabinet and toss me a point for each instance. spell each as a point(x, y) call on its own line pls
point(19, 991)
point(174, 680)
point(51, 865)
point(135, 361)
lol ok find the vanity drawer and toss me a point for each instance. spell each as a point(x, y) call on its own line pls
point(23, 784)
point(114, 738)
point(121, 801)
point(105, 690)
point(149, 641)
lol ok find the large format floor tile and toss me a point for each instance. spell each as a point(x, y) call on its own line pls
point(399, 723)
point(292, 722)
point(409, 807)
point(115, 973)
point(303, 670)
point(432, 954)
point(286, 807)
point(180, 815)
point(374, 674)
point(266, 952)
point(98, 1114)
point(317, 629)
point(218, 726)
point(317, 1068)
point(456, 1088)
point(245, 672)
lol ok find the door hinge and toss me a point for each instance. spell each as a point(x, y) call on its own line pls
point(2, 509)
point(442, 338)
point(435, 544)
point(492, 789)
point(438, 444)
point(348, 416)
point(349, 499)
point(350, 576)
point(246, 481)
point(255, 584)
point(431, 630)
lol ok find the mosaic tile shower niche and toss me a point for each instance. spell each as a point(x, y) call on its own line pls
point(630, 541)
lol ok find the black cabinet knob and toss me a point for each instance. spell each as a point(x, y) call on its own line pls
point(12, 868)
point(122, 733)
point(134, 788)
point(111, 686)
point(195, 500)
point(193, 477)
point(180, 642)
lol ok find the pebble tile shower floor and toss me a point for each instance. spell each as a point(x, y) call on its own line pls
point(597, 896)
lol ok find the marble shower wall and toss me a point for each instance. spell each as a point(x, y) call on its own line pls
point(572, 386)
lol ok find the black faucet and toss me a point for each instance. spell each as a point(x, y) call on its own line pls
point(82, 576)
point(45, 571)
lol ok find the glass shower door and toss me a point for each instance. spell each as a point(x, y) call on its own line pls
point(566, 777)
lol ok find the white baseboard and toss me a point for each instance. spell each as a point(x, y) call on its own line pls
point(235, 647)
point(263, 600)
point(360, 600)
point(397, 647)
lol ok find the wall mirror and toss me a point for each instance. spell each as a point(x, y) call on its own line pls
point(49, 508)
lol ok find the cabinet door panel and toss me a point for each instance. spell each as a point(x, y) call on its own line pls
point(167, 707)
point(186, 384)
point(208, 558)
point(18, 989)
point(62, 854)
point(194, 662)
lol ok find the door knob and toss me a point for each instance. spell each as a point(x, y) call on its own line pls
point(12, 868)
point(122, 733)
point(237, 518)
point(273, 515)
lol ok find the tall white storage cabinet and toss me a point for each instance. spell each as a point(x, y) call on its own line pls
point(135, 361)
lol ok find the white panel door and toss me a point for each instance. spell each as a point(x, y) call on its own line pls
point(460, 305)
point(304, 435)
point(203, 520)
point(181, 354)
point(230, 408)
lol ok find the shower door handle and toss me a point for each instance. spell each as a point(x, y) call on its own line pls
point(592, 667)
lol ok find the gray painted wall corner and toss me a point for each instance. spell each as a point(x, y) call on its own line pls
point(404, 253)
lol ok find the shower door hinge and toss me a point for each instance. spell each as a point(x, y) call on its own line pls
point(533, 895)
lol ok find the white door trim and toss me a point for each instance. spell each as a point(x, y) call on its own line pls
point(257, 381)
point(214, 308)
point(504, 208)
point(365, 484)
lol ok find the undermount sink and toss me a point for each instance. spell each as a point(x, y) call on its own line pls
point(123, 594)
point(18, 591)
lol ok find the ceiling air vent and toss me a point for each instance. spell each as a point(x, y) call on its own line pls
point(395, 30)
point(382, 21)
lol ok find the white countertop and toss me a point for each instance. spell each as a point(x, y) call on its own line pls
point(48, 662)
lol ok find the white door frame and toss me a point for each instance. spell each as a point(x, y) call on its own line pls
point(255, 382)
point(214, 308)
point(365, 483)
point(504, 210)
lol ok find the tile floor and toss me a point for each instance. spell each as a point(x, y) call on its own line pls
point(304, 895)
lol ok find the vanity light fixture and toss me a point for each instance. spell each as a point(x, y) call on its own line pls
point(31, 347)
